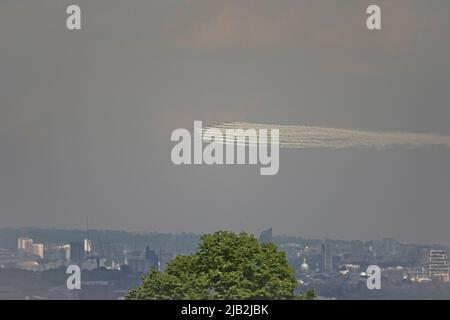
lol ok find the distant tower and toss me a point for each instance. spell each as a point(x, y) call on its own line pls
point(77, 254)
point(164, 259)
point(87, 240)
point(266, 236)
point(152, 258)
point(327, 256)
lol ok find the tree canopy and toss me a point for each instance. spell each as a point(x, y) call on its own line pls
point(226, 266)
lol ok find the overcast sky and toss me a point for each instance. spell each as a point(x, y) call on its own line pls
point(86, 116)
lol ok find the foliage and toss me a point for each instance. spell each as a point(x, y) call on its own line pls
point(226, 266)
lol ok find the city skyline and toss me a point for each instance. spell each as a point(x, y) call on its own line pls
point(114, 262)
point(265, 235)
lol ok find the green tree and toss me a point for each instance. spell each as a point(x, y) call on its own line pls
point(226, 266)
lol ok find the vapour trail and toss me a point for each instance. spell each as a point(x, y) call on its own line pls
point(303, 137)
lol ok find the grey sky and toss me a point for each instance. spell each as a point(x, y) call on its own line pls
point(86, 116)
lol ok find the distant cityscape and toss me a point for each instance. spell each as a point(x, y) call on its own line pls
point(33, 264)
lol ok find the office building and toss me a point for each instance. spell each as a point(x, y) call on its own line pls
point(25, 244)
point(266, 236)
point(38, 250)
point(327, 256)
point(438, 265)
point(87, 245)
point(164, 259)
point(77, 253)
point(152, 259)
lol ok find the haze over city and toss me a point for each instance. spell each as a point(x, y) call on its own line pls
point(86, 116)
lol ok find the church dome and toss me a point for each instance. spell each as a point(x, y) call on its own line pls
point(304, 266)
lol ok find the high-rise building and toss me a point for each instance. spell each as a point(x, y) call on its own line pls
point(327, 256)
point(87, 240)
point(137, 265)
point(140, 262)
point(77, 254)
point(152, 258)
point(438, 265)
point(25, 244)
point(87, 245)
point(38, 250)
point(64, 253)
point(164, 259)
point(266, 236)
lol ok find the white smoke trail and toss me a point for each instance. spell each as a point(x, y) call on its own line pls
point(303, 137)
